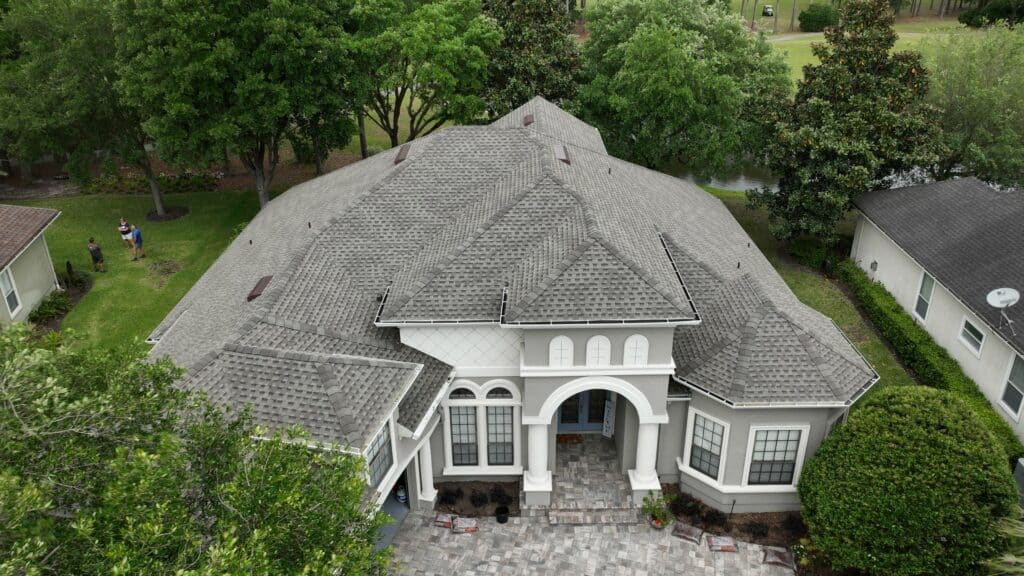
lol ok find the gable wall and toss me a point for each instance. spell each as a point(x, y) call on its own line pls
point(33, 278)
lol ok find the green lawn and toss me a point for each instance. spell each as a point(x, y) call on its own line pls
point(822, 294)
point(133, 297)
point(798, 50)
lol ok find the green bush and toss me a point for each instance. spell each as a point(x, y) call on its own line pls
point(169, 184)
point(55, 305)
point(911, 485)
point(930, 362)
point(1010, 11)
point(817, 17)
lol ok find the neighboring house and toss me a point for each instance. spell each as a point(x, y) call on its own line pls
point(26, 272)
point(940, 248)
point(449, 307)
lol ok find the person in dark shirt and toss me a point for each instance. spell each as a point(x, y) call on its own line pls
point(138, 251)
point(97, 256)
point(125, 230)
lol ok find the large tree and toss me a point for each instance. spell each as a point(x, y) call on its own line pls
point(857, 119)
point(108, 469)
point(538, 55)
point(911, 485)
point(427, 62)
point(239, 74)
point(977, 83)
point(678, 79)
point(61, 91)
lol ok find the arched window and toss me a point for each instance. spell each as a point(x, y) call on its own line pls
point(560, 352)
point(499, 394)
point(461, 394)
point(635, 353)
point(599, 351)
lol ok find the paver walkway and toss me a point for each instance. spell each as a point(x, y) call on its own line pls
point(531, 546)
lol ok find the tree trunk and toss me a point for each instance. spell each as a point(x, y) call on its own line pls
point(154, 184)
point(792, 17)
point(753, 14)
point(226, 163)
point(775, 22)
point(361, 121)
point(261, 161)
point(319, 155)
point(942, 7)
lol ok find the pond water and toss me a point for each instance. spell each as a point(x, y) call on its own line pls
point(741, 177)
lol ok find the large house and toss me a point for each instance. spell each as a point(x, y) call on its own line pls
point(26, 271)
point(941, 249)
point(449, 308)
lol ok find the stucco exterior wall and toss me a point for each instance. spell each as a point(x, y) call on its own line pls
point(670, 441)
point(536, 341)
point(32, 272)
point(488, 347)
point(901, 276)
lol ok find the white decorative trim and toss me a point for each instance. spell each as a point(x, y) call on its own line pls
point(913, 310)
point(638, 341)
point(482, 470)
point(599, 349)
point(604, 324)
point(688, 445)
point(757, 489)
point(531, 484)
point(805, 430)
point(390, 424)
point(638, 484)
point(639, 400)
point(966, 343)
point(485, 371)
point(418, 433)
point(552, 372)
point(1015, 415)
point(481, 402)
point(558, 362)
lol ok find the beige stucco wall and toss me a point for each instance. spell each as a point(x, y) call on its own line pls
point(536, 341)
point(901, 276)
point(33, 278)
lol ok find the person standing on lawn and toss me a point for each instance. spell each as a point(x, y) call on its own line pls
point(138, 251)
point(97, 256)
point(125, 230)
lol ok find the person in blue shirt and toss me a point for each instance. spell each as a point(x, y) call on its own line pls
point(137, 251)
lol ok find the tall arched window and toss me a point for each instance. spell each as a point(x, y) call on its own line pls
point(560, 352)
point(599, 351)
point(635, 353)
point(484, 422)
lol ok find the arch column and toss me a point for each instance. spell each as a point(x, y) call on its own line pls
point(537, 479)
point(644, 477)
point(426, 468)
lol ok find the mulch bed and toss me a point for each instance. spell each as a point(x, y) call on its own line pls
point(783, 528)
point(170, 213)
point(75, 294)
point(457, 498)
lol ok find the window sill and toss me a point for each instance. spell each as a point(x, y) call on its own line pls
point(482, 471)
point(974, 352)
point(730, 489)
point(1015, 416)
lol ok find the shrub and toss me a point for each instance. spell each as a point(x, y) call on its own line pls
point(1010, 11)
point(169, 184)
point(817, 17)
point(757, 529)
point(55, 305)
point(713, 517)
point(683, 504)
point(911, 485)
point(448, 497)
point(794, 523)
point(478, 498)
point(499, 496)
point(930, 362)
point(657, 508)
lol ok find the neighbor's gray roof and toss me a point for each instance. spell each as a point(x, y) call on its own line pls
point(966, 234)
point(18, 226)
point(486, 223)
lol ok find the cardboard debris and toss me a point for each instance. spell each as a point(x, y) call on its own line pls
point(687, 532)
point(444, 520)
point(464, 525)
point(721, 543)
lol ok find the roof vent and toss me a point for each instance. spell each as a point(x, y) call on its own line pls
point(403, 152)
point(258, 289)
point(528, 119)
point(562, 153)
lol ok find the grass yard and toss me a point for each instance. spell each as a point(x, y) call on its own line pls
point(133, 297)
point(798, 50)
point(822, 294)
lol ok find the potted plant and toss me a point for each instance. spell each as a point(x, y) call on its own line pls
point(656, 509)
point(502, 499)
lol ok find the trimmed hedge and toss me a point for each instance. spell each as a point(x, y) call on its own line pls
point(169, 184)
point(930, 362)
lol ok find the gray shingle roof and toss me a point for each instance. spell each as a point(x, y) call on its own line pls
point(966, 234)
point(478, 213)
point(18, 226)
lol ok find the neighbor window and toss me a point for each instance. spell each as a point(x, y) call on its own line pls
point(635, 352)
point(706, 445)
point(599, 351)
point(972, 336)
point(1014, 392)
point(774, 457)
point(924, 296)
point(379, 457)
point(464, 435)
point(560, 352)
point(8, 291)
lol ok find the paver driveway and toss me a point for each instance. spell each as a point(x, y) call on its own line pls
point(532, 546)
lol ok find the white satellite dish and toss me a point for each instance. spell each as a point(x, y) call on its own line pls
point(1001, 299)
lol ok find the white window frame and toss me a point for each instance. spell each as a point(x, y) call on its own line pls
point(390, 427)
point(14, 288)
point(1015, 414)
point(632, 344)
point(599, 352)
point(967, 343)
point(688, 448)
point(927, 301)
point(560, 352)
point(481, 402)
point(805, 430)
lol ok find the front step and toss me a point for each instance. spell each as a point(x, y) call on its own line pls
point(593, 516)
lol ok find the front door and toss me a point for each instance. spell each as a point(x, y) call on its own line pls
point(583, 412)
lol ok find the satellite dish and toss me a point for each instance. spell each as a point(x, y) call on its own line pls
point(1001, 299)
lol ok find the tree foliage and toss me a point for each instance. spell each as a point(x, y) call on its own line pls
point(238, 74)
point(911, 485)
point(858, 118)
point(427, 62)
point(538, 55)
point(977, 83)
point(678, 79)
point(109, 469)
point(818, 16)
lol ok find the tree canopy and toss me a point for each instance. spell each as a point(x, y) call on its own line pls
point(107, 468)
point(911, 485)
point(216, 74)
point(678, 79)
point(537, 56)
point(858, 118)
point(977, 84)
